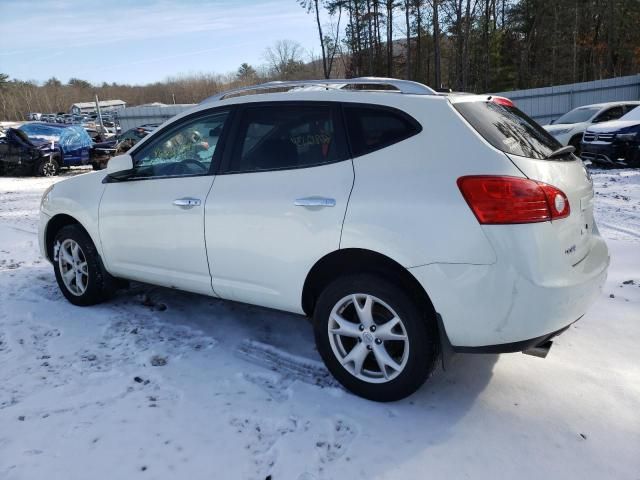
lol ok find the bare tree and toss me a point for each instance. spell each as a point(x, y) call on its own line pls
point(407, 13)
point(309, 5)
point(285, 58)
point(436, 44)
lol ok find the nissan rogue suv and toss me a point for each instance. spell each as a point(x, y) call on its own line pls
point(407, 224)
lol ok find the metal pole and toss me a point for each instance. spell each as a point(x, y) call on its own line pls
point(103, 131)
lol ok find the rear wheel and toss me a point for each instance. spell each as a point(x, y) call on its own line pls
point(48, 167)
point(373, 338)
point(78, 268)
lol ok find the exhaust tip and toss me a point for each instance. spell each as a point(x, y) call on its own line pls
point(540, 351)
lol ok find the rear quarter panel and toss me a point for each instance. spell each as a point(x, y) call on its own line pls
point(405, 202)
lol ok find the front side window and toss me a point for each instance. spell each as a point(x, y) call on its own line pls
point(276, 137)
point(372, 128)
point(186, 149)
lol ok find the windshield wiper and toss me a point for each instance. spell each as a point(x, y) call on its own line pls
point(562, 151)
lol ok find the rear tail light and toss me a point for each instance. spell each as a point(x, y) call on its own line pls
point(498, 200)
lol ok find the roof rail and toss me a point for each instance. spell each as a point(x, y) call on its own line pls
point(399, 86)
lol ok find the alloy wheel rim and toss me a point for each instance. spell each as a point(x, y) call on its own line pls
point(49, 169)
point(368, 338)
point(74, 269)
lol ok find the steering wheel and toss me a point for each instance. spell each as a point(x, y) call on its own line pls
point(183, 167)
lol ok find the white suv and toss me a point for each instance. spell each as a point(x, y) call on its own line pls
point(568, 129)
point(408, 224)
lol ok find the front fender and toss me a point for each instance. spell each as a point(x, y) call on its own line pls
point(79, 198)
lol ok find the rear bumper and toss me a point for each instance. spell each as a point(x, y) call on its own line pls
point(512, 347)
point(495, 308)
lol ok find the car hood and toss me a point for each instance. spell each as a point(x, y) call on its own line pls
point(613, 126)
point(556, 127)
point(41, 143)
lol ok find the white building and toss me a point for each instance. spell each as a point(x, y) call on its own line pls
point(151, 113)
point(90, 107)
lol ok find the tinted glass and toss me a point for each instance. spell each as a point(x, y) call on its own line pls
point(286, 136)
point(186, 149)
point(509, 130)
point(632, 114)
point(578, 115)
point(373, 128)
point(613, 113)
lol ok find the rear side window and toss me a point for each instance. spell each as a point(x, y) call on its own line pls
point(276, 137)
point(371, 128)
point(613, 113)
point(508, 129)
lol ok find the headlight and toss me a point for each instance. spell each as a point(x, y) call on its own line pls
point(625, 137)
point(560, 132)
point(45, 197)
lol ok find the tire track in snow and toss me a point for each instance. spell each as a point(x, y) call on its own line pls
point(289, 367)
point(616, 228)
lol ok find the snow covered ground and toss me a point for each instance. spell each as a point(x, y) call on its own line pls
point(167, 385)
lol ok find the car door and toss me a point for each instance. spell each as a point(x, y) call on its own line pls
point(278, 204)
point(152, 221)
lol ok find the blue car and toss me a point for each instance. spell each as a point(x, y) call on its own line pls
point(615, 143)
point(69, 145)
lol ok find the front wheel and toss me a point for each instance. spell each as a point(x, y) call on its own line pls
point(78, 268)
point(48, 167)
point(373, 338)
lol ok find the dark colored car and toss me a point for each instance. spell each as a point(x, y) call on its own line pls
point(101, 152)
point(62, 145)
point(614, 143)
point(21, 155)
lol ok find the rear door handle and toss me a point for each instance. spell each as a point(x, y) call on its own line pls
point(315, 202)
point(187, 202)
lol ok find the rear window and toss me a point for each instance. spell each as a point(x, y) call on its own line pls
point(372, 128)
point(509, 130)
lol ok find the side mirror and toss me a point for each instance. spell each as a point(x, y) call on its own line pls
point(119, 163)
point(551, 122)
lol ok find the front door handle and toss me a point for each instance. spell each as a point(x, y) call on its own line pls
point(187, 202)
point(315, 202)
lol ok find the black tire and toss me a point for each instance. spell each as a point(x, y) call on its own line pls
point(100, 285)
point(633, 159)
point(421, 332)
point(48, 167)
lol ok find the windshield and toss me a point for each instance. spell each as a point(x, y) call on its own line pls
point(632, 115)
point(508, 129)
point(578, 115)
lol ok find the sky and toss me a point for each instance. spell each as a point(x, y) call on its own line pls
point(143, 41)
